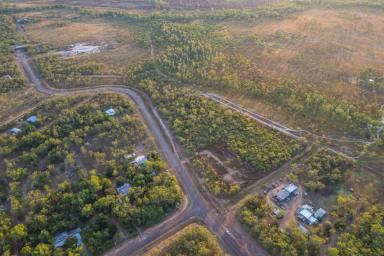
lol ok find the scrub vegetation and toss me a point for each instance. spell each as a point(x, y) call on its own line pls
point(194, 240)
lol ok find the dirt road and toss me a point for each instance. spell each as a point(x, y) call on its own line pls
point(232, 238)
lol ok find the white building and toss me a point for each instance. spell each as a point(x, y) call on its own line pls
point(140, 160)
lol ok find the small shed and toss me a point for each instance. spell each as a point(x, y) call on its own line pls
point(32, 119)
point(15, 130)
point(140, 160)
point(123, 190)
point(110, 112)
point(320, 214)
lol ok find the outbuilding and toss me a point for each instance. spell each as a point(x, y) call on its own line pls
point(286, 193)
point(140, 160)
point(15, 130)
point(320, 214)
point(123, 189)
point(60, 239)
point(110, 112)
point(32, 119)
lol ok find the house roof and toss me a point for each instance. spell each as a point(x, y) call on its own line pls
point(110, 112)
point(62, 237)
point(32, 119)
point(282, 195)
point(312, 220)
point(291, 188)
point(306, 213)
point(123, 190)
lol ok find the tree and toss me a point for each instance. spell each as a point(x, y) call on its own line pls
point(18, 232)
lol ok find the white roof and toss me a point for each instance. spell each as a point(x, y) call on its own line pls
point(15, 130)
point(312, 220)
point(110, 112)
point(305, 213)
point(140, 160)
point(291, 188)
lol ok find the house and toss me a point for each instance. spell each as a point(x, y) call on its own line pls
point(123, 190)
point(60, 239)
point(15, 130)
point(110, 112)
point(320, 214)
point(286, 193)
point(306, 214)
point(140, 160)
point(32, 119)
point(282, 196)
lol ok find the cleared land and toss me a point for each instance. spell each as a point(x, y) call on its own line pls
point(58, 29)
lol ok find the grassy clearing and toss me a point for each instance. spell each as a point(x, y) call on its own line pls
point(59, 29)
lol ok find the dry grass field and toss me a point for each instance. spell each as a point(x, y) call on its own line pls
point(60, 29)
point(324, 48)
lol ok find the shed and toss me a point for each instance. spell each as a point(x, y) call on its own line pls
point(123, 190)
point(140, 160)
point(291, 188)
point(32, 119)
point(15, 130)
point(320, 214)
point(283, 195)
point(110, 112)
